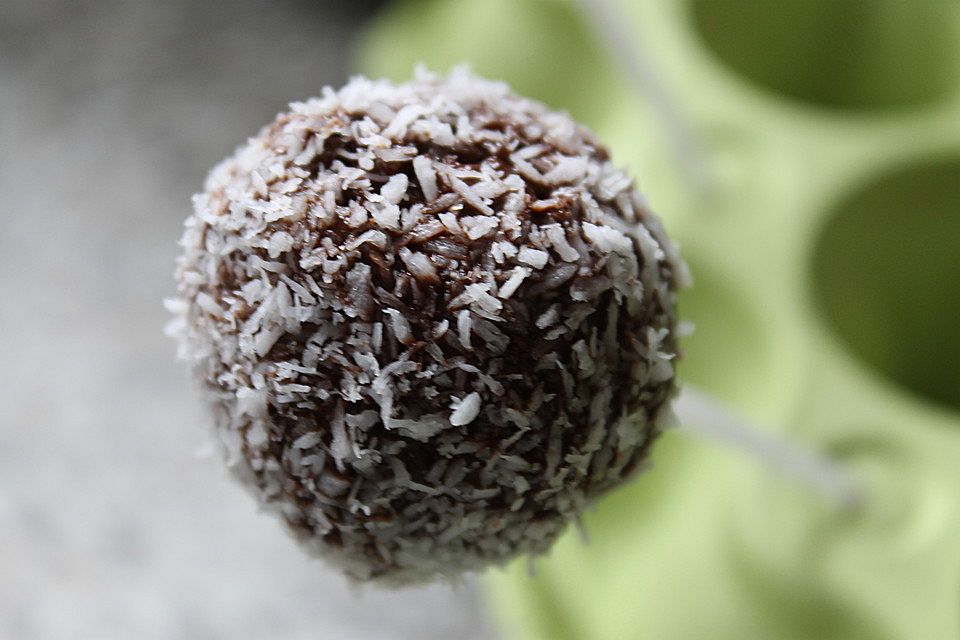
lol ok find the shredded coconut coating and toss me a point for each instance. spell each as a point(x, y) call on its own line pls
point(433, 321)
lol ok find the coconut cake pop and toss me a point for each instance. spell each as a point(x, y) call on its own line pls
point(432, 320)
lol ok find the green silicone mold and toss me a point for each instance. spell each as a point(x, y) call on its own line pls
point(826, 254)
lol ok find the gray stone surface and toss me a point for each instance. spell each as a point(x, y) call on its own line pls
point(111, 525)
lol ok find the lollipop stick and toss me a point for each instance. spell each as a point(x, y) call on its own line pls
point(701, 415)
point(641, 72)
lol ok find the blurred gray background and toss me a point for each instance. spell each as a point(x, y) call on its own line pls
point(112, 522)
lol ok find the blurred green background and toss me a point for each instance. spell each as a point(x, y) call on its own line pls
point(825, 246)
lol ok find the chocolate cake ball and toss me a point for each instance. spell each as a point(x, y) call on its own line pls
point(433, 322)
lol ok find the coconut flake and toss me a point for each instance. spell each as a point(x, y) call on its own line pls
point(395, 188)
point(420, 266)
point(479, 226)
point(388, 217)
point(513, 283)
point(307, 441)
point(533, 257)
point(481, 295)
point(465, 410)
point(400, 326)
point(566, 170)
point(373, 236)
point(464, 323)
point(426, 176)
point(468, 194)
point(451, 223)
point(558, 240)
point(608, 240)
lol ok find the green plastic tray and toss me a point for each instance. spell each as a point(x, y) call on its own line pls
point(826, 253)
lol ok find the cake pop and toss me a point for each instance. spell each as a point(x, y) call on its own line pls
point(433, 322)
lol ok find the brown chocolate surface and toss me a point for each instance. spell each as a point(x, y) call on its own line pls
point(433, 319)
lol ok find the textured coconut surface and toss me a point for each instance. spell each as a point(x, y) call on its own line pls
point(111, 524)
point(433, 319)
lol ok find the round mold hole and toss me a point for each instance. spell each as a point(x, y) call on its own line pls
point(867, 54)
point(886, 276)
